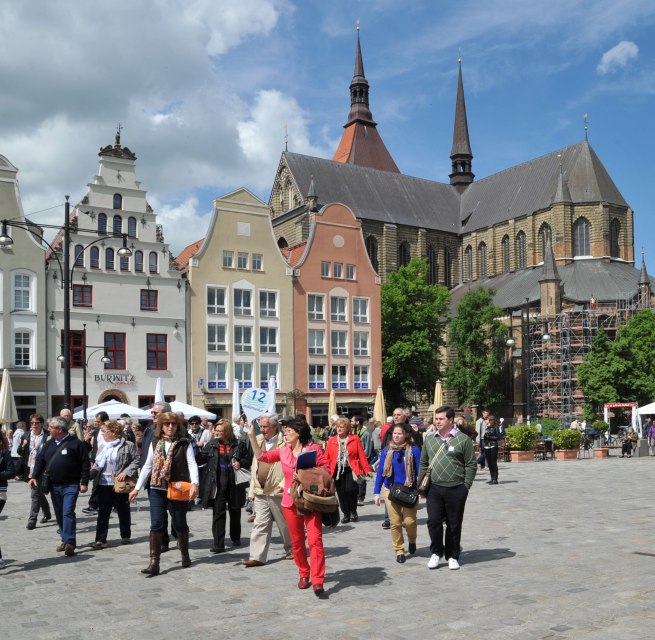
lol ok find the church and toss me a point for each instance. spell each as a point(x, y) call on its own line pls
point(553, 236)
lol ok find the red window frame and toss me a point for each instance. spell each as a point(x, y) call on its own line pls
point(149, 300)
point(115, 349)
point(77, 350)
point(82, 295)
point(156, 351)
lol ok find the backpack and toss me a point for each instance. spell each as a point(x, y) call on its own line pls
point(314, 491)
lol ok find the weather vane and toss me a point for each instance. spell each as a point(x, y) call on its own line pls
point(586, 127)
point(286, 138)
point(357, 26)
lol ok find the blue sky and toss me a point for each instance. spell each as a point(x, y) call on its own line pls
point(204, 89)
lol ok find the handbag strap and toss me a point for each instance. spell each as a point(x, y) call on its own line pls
point(59, 446)
point(441, 448)
point(111, 469)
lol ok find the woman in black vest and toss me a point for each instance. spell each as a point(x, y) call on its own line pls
point(490, 444)
point(170, 459)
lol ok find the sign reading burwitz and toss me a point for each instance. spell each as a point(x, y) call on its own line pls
point(115, 378)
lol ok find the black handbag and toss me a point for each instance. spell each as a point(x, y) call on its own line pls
point(403, 495)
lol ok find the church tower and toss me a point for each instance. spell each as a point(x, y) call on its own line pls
point(461, 154)
point(361, 143)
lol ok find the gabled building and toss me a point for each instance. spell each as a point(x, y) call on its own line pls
point(131, 308)
point(22, 301)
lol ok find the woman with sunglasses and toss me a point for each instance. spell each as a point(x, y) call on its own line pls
point(170, 459)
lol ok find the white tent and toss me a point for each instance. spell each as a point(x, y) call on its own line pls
point(647, 409)
point(189, 410)
point(114, 409)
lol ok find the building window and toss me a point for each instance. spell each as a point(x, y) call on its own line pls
point(216, 375)
point(131, 227)
point(22, 348)
point(506, 262)
point(325, 269)
point(360, 343)
point(124, 262)
point(109, 259)
point(615, 230)
point(337, 268)
point(316, 342)
point(76, 348)
point(149, 299)
point(404, 255)
point(521, 255)
point(156, 351)
point(545, 236)
point(338, 309)
point(338, 342)
point(315, 307)
point(372, 251)
point(242, 260)
point(138, 261)
point(118, 201)
point(228, 259)
point(257, 262)
point(243, 373)
point(22, 292)
point(267, 370)
point(82, 295)
point(152, 262)
point(79, 255)
point(581, 235)
point(115, 350)
point(117, 224)
point(268, 304)
point(350, 272)
point(102, 224)
point(317, 376)
point(215, 300)
point(447, 269)
point(468, 263)
point(339, 376)
point(94, 258)
point(268, 340)
point(482, 259)
point(433, 266)
point(216, 337)
point(243, 339)
point(242, 302)
point(360, 309)
point(360, 380)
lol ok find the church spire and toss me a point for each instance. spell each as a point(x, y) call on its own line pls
point(360, 142)
point(461, 154)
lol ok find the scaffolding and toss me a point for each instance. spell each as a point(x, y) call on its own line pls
point(559, 344)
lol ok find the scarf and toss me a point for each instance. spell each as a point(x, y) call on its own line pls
point(342, 463)
point(106, 453)
point(387, 469)
point(161, 463)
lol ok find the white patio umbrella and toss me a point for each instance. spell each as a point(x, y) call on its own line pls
point(7, 403)
point(114, 409)
point(189, 410)
point(159, 390)
point(272, 386)
point(236, 404)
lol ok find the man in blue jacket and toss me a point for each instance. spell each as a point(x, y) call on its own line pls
point(66, 460)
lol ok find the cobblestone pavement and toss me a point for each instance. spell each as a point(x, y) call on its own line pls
point(556, 550)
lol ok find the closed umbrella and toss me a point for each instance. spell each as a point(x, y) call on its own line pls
point(379, 412)
point(438, 395)
point(272, 385)
point(236, 405)
point(7, 403)
point(332, 405)
point(159, 390)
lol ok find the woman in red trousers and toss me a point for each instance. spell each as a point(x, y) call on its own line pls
point(347, 462)
point(298, 438)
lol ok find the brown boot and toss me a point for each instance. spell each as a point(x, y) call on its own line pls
point(183, 545)
point(155, 550)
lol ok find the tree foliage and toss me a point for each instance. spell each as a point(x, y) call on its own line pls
point(479, 338)
point(620, 371)
point(413, 313)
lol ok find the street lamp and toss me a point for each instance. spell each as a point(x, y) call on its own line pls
point(105, 360)
point(6, 241)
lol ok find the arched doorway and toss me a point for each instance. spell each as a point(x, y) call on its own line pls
point(113, 394)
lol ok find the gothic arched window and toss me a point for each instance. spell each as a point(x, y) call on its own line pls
point(506, 262)
point(447, 269)
point(372, 250)
point(433, 266)
point(482, 260)
point(581, 237)
point(403, 254)
point(521, 260)
point(545, 235)
point(468, 263)
point(615, 230)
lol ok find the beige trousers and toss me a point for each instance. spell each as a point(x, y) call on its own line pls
point(399, 515)
point(268, 509)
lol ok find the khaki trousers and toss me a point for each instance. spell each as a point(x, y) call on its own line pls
point(399, 515)
point(268, 509)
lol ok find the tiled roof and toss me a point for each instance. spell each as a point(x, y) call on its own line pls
point(188, 252)
point(293, 253)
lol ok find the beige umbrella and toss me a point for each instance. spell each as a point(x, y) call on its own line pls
point(332, 404)
point(438, 395)
point(7, 404)
point(379, 412)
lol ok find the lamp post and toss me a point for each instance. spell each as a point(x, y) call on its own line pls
point(6, 241)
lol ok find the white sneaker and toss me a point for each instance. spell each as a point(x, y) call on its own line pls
point(434, 561)
point(453, 564)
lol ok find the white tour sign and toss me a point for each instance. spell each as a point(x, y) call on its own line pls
point(254, 403)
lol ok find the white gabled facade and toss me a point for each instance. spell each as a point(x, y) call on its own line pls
point(134, 307)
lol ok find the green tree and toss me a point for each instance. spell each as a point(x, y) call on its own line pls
point(413, 314)
point(595, 376)
point(478, 337)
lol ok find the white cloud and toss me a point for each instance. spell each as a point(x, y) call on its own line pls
point(617, 57)
point(183, 223)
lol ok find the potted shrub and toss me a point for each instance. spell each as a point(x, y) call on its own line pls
point(601, 427)
point(567, 442)
point(521, 440)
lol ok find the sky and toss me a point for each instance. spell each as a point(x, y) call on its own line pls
point(207, 91)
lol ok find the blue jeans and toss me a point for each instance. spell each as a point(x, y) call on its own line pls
point(159, 505)
point(64, 499)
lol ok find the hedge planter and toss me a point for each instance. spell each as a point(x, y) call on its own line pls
point(522, 456)
point(601, 452)
point(566, 454)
